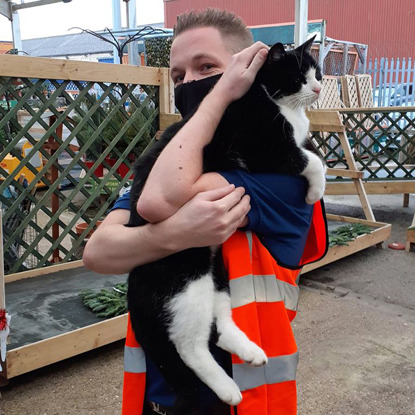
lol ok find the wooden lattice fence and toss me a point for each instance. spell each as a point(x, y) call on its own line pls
point(382, 141)
point(64, 159)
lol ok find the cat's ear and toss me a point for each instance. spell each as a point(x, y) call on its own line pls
point(306, 46)
point(276, 52)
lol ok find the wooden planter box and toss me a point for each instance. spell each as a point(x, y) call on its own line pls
point(37, 347)
point(381, 232)
point(410, 239)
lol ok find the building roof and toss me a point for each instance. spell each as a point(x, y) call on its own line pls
point(71, 44)
point(66, 45)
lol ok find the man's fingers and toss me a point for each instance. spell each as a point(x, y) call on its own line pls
point(258, 61)
point(255, 48)
point(217, 194)
point(241, 208)
point(238, 213)
point(229, 201)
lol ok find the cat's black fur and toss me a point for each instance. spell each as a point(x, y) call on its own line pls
point(252, 135)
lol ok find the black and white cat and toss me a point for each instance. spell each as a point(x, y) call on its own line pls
point(180, 303)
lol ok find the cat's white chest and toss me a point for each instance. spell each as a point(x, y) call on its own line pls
point(299, 121)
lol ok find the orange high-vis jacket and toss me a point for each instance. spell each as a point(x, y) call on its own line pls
point(264, 299)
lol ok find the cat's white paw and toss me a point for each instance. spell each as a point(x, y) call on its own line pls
point(253, 355)
point(314, 194)
point(228, 391)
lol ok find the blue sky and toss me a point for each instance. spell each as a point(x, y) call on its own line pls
point(56, 19)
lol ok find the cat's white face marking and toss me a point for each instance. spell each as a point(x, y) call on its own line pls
point(311, 90)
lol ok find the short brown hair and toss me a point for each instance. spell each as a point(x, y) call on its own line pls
point(230, 26)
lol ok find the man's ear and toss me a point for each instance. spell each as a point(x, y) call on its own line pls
point(276, 52)
point(306, 46)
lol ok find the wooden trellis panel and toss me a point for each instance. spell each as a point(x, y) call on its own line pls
point(330, 95)
point(349, 91)
point(364, 91)
point(109, 116)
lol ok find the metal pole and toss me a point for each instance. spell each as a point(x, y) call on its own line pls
point(321, 54)
point(116, 25)
point(301, 19)
point(133, 58)
point(17, 39)
point(345, 58)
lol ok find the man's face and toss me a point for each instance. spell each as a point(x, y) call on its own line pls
point(196, 54)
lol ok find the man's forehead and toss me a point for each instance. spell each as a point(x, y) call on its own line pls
point(197, 41)
point(194, 57)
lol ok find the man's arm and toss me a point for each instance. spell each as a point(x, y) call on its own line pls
point(177, 174)
point(207, 219)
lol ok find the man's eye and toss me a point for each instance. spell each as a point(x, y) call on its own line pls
point(178, 79)
point(207, 67)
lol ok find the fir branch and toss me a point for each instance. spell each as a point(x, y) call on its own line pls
point(106, 303)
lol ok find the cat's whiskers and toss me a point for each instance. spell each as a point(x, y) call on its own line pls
point(275, 93)
point(293, 101)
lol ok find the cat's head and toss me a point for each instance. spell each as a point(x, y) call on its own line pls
point(291, 77)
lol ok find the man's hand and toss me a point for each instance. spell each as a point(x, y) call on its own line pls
point(241, 72)
point(210, 218)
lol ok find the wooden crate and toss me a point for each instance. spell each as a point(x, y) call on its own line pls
point(410, 239)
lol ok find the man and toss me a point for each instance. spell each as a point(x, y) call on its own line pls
point(186, 208)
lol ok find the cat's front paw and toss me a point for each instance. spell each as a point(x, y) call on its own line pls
point(254, 355)
point(314, 194)
point(228, 391)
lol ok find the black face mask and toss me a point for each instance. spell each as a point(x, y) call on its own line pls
point(189, 95)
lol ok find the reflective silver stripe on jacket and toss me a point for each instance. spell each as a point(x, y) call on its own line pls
point(134, 360)
point(278, 369)
point(263, 289)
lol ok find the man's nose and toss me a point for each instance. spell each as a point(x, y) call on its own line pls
point(190, 76)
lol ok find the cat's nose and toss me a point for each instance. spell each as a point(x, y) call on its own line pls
point(317, 89)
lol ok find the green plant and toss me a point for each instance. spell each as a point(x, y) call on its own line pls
point(106, 303)
point(112, 128)
point(347, 233)
point(158, 52)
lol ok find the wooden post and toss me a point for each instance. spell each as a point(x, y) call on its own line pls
point(52, 146)
point(330, 121)
point(3, 373)
point(2, 289)
point(406, 200)
point(166, 105)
